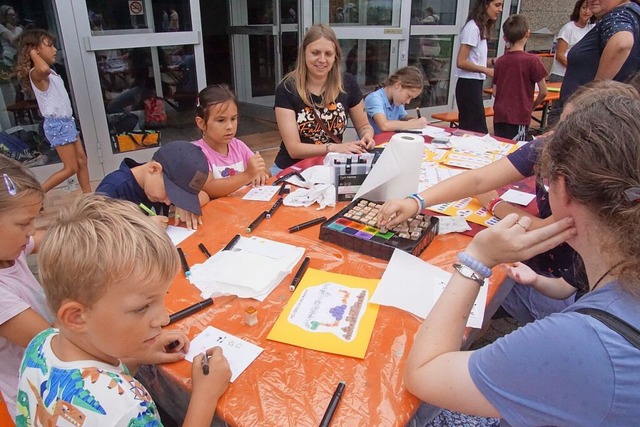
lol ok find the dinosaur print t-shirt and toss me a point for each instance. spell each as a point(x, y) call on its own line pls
point(333, 115)
point(78, 393)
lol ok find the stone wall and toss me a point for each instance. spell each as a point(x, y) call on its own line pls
point(552, 14)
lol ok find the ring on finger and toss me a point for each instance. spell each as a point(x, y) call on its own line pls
point(518, 223)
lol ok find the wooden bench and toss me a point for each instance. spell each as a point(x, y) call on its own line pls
point(453, 117)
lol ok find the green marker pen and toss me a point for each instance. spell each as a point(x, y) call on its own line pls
point(147, 210)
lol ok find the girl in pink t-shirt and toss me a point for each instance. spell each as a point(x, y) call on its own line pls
point(233, 165)
point(23, 309)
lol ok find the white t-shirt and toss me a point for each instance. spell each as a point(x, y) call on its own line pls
point(54, 102)
point(9, 51)
point(571, 34)
point(19, 291)
point(470, 35)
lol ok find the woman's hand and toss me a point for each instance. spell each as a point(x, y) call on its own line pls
point(368, 141)
point(394, 212)
point(510, 240)
point(354, 147)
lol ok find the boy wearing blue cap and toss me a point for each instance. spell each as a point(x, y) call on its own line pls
point(174, 176)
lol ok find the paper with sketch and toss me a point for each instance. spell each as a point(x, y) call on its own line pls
point(434, 132)
point(239, 353)
point(178, 234)
point(252, 269)
point(481, 144)
point(397, 171)
point(328, 312)
point(518, 197)
point(262, 193)
point(414, 285)
point(431, 175)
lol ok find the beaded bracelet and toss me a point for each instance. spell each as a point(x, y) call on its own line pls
point(492, 205)
point(474, 264)
point(415, 199)
point(418, 198)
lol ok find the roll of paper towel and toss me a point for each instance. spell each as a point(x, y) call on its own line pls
point(396, 174)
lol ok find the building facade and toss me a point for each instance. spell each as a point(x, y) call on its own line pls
point(117, 56)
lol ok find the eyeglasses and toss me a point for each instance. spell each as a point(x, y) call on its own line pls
point(11, 186)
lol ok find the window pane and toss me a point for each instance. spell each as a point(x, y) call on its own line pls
point(433, 55)
point(368, 60)
point(360, 13)
point(120, 16)
point(263, 70)
point(142, 103)
point(433, 12)
point(259, 12)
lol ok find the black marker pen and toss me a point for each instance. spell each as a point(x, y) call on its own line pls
point(275, 207)
point(179, 315)
point(183, 261)
point(204, 250)
point(307, 224)
point(256, 222)
point(231, 243)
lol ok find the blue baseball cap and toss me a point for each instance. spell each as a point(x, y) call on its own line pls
point(185, 170)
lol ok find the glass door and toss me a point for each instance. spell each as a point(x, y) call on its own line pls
point(142, 62)
point(264, 40)
point(373, 36)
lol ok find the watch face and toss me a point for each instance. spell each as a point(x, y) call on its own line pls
point(468, 273)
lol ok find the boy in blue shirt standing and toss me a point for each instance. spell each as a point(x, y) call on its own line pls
point(175, 175)
point(514, 79)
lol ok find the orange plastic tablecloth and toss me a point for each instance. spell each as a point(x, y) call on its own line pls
point(288, 385)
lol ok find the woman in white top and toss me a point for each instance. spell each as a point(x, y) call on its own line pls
point(472, 65)
point(571, 33)
point(9, 33)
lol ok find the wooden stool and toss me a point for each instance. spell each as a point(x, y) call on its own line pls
point(453, 117)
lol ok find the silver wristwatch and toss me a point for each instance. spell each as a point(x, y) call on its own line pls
point(469, 273)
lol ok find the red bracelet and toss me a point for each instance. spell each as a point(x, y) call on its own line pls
point(493, 204)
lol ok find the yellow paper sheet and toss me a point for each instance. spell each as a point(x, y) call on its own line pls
point(329, 312)
point(469, 209)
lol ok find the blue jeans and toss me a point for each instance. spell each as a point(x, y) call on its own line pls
point(525, 304)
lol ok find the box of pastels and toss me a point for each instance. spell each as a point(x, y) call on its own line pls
point(354, 228)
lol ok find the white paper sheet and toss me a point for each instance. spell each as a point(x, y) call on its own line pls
point(178, 234)
point(262, 193)
point(518, 197)
point(452, 224)
point(434, 131)
point(239, 353)
point(414, 285)
point(397, 171)
point(431, 175)
point(252, 270)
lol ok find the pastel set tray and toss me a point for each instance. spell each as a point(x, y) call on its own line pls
point(354, 228)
